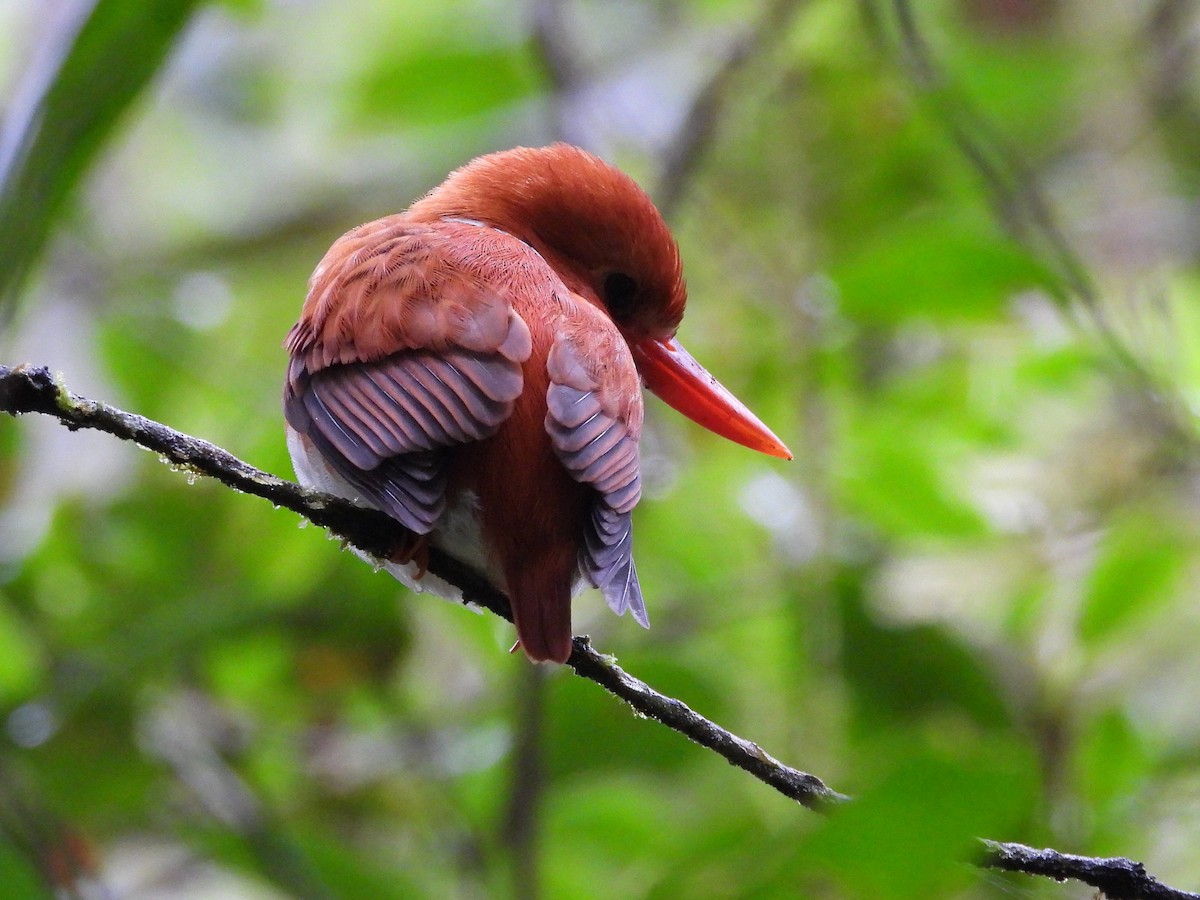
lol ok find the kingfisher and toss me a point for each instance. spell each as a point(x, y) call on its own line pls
point(473, 367)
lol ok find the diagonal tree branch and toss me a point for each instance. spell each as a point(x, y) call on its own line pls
point(1017, 196)
point(26, 389)
point(33, 389)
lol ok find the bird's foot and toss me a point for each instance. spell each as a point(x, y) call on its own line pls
point(412, 548)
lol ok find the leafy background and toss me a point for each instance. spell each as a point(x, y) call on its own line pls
point(949, 253)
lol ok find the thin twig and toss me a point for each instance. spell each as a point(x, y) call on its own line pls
point(26, 389)
point(805, 789)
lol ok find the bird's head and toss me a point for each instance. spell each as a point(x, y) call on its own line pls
point(592, 222)
point(608, 242)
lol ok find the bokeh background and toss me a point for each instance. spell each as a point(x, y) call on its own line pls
point(947, 249)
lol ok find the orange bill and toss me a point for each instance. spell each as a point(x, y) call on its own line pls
point(684, 385)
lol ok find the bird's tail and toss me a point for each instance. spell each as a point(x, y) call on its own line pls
point(541, 605)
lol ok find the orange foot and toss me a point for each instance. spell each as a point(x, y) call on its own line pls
point(411, 548)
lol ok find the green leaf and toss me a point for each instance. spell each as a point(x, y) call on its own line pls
point(912, 834)
point(935, 263)
point(1139, 562)
point(440, 85)
point(1112, 761)
point(18, 875)
point(20, 655)
point(899, 674)
point(101, 62)
point(895, 474)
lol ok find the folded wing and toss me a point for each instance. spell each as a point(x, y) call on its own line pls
point(401, 352)
point(594, 419)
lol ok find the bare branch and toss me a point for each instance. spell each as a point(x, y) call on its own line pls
point(30, 389)
point(26, 389)
point(1115, 877)
point(33, 389)
point(799, 786)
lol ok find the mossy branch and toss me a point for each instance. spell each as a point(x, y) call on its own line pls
point(33, 389)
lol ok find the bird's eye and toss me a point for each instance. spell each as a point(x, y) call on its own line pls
point(620, 295)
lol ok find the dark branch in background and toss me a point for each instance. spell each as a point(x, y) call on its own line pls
point(1014, 190)
point(1172, 44)
point(30, 389)
point(26, 389)
point(522, 823)
point(553, 39)
point(557, 53)
point(1019, 201)
point(699, 126)
point(183, 733)
point(63, 856)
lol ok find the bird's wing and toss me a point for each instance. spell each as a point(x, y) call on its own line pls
point(400, 352)
point(594, 419)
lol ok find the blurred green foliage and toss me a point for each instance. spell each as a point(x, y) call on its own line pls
point(89, 69)
point(969, 602)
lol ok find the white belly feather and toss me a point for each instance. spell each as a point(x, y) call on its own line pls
point(457, 531)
